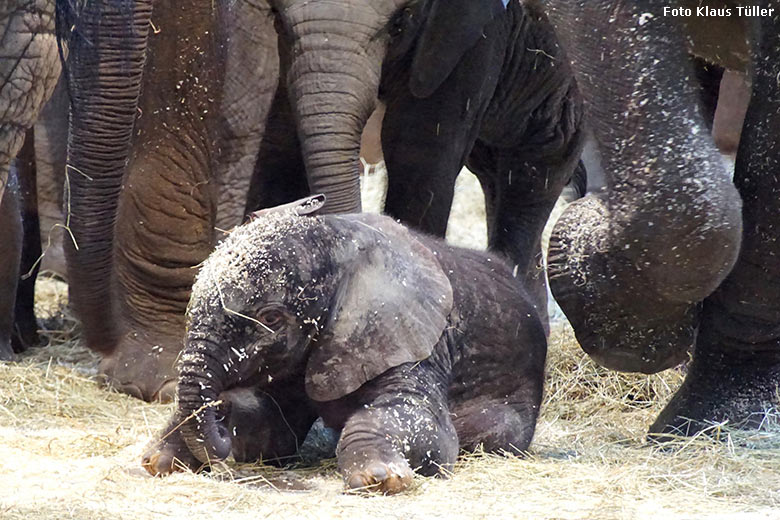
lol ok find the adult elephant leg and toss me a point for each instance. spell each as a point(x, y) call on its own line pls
point(280, 173)
point(524, 191)
point(25, 324)
point(167, 210)
point(426, 141)
point(29, 67)
point(10, 253)
point(629, 268)
point(251, 74)
point(51, 153)
point(735, 371)
point(530, 142)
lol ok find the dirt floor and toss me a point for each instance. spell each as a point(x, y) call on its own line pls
point(71, 449)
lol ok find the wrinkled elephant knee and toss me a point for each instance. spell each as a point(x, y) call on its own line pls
point(383, 440)
point(626, 314)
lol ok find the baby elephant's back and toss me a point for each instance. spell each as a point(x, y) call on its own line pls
point(495, 337)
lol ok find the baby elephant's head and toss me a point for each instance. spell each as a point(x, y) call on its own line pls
point(335, 299)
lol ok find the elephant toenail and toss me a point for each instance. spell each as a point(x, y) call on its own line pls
point(378, 472)
point(359, 481)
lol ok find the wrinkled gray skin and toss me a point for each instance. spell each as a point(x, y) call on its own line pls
point(409, 347)
point(49, 147)
point(29, 68)
point(464, 82)
point(39, 169)
point(641, 270)
point(169, 102)
point(668, 225)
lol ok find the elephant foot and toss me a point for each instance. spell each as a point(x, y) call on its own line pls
point(144, 369)
point(380, 477)
point(6, 352)
point(733, 389)
point(169, 454)
point(25, 334)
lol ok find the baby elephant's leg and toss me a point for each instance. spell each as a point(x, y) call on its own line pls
point(499, 420)
point(400, 422)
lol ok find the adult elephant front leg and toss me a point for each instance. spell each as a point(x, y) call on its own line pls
point(10, 253)
point(165, 213)
point(169, 206)
point(279, 173)
point(735, 371)
point(25, 323)
point(529, 144)
point(426, 139)
point(250, 85)
point(29, 68)
point(630, 268)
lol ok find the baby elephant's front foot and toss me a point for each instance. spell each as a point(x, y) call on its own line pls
point(381, 477)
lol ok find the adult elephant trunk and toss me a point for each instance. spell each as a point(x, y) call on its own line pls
point(629, 267)
point(201, 380)
point(333, 83)
point(106, 60)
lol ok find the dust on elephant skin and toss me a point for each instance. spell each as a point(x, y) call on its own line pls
point(409, 347)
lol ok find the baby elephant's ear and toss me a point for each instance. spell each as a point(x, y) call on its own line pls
point(306, 206)
point(390, 307)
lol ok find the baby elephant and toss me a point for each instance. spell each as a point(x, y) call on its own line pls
point(409, 347)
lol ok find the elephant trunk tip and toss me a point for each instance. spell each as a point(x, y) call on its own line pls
point(207, 439)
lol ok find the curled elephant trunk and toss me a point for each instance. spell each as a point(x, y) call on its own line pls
point(629, 267)
point(334, 81)
point(201, 380)
point(107, 48)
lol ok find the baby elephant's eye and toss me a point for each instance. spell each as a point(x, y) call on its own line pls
point(272, 319)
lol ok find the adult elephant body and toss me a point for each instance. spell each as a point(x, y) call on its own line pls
point(481, 83)
point(632, 266)
point(29, 68)
point(169, 102)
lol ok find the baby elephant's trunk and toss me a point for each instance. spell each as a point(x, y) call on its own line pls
point(201, 379)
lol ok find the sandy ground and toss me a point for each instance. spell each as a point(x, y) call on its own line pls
point(72, 450)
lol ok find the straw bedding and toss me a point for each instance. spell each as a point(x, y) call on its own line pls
point(70, 449)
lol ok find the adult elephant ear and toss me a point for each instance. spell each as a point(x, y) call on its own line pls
point(451, 28)
point(390, 306)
